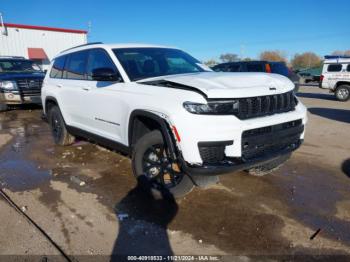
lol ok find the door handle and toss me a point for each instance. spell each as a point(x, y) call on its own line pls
point(86, 88)
point(59, 85)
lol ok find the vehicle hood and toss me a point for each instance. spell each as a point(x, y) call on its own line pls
point(228, 85)
point(14, 76)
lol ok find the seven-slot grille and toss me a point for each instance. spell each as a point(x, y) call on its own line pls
point(30, 87)
point(266, 105)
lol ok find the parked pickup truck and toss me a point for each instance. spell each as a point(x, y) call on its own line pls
point(336, 76)
point(178, 120)
point(20, 81)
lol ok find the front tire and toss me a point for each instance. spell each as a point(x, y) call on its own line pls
point(150, 159)
point(269, 167)
point(58, 128)
point(342, 93)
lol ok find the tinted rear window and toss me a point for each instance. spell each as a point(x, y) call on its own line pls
point(76, 66)
point(234, 68)
point(279, 68)
point(348, 68)
point(255, 67)
point(334, 68)
point(57, 68)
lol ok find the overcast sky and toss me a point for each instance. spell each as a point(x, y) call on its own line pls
point(204, 28)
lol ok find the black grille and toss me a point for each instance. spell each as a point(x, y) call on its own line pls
point(265, 105)
point(261, 141)
point(212, 154)
point(30, 87)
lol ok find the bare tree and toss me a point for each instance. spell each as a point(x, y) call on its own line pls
point(340, 52)
point(275, 55)
point(228, 57)
point(210, 62)
point(306, 60)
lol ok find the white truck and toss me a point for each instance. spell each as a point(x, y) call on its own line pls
point(336, 76)
point(177, 119)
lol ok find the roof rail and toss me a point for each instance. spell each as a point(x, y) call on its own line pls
point(336, 56)
point(92, 43)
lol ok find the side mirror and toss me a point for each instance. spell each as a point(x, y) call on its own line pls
point(106, 74)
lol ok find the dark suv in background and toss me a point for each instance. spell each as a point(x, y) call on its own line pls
point(20, 81)
point(259, 66)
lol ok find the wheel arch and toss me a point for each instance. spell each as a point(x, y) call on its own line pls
point(49, 101)
point(340, 83)
point(142, 121)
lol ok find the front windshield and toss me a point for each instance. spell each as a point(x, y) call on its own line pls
point(141, 63)
point(11, 66)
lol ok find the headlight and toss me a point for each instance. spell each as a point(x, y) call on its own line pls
point(213, 107)
point(8, 85)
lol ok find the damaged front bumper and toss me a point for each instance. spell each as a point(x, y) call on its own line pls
point(258, 147)
point(231, 165)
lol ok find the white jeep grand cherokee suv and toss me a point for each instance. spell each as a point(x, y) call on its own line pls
point(178, 120)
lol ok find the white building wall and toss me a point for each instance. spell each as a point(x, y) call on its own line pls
point(18, 40)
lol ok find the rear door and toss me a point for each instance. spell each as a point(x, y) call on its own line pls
point(73, 89)
point(332, 74)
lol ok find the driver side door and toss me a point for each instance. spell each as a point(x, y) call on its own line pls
point(103, 100)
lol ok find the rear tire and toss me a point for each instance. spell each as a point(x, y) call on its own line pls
point(342, 93)
point(269, 167)
point(150, 159)
point(58, 128)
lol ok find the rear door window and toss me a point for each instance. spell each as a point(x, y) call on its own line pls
point(76, 66)
point(57, 68)
point(220, 68)
point(334, 68)
point(348, 68)
point(255, 67)
point(234, 68)
point(279, 68)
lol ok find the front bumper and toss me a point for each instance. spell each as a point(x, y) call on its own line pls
point(16, 98)
point(237, 164)
point(225, 128)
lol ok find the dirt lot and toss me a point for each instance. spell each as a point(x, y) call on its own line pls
point(242, 215)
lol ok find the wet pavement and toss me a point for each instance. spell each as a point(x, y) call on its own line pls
point(86, 198)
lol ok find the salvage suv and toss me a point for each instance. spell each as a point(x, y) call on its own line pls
point(179, 121)
point(20, 81)
point(336, 76)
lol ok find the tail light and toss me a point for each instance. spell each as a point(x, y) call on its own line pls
point(267, 68)
point(321, 78)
